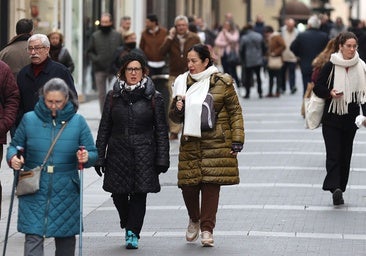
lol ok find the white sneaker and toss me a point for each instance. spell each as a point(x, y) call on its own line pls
point(193, 230)
point(207, 239)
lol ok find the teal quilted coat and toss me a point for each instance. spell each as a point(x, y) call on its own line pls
point(53, 211)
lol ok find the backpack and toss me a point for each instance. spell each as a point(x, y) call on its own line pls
point(208, 115)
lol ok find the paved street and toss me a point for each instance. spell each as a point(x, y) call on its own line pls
point(277, 209)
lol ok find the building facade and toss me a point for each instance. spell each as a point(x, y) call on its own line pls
point(77, 19)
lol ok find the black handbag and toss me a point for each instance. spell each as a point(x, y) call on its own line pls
point(233, 58)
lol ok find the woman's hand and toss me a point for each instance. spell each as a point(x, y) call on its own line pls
point(336, 94)
point(82, 156)
point(179, 105)
point(16, 163)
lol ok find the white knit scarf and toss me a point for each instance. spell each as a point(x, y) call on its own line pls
point(194, 98)
point(350, 78)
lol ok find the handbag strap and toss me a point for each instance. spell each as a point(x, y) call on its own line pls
point(330, 76)
point(53, 144)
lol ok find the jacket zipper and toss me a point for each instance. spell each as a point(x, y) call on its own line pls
point(50, 180)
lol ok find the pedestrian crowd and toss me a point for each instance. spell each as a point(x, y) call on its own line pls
point(197, 103)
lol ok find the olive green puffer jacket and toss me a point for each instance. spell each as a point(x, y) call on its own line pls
point(208, 159)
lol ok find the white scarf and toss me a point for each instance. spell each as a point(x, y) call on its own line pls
point(350, 78)
point(194, 98)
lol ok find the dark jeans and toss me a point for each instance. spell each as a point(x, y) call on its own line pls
point(230, 69)
point(249, 81)
point(306, 78)
point(338, 145)
point(209, 203)
point(274, 74)
point(288, 68)
point(131, 209)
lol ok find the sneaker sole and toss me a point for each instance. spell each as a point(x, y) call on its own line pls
point(192, 239)
point(130, 246)
point(207, 244)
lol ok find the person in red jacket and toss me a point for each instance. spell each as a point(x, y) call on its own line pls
point(9, 104)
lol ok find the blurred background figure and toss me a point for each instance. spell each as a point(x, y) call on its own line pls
point(337, 28)
point(176, 46)
point(129, 46)
point(14, 54)
point(275, 47)
point(151, 39)
point(252, 53)
point(125, 25)
point(228, 40)
point(206, 35)
point(307, 45)
point(102, 46)
point(289, 32)
point(58, 51)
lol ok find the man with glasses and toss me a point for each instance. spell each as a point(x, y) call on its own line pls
point(42, 68)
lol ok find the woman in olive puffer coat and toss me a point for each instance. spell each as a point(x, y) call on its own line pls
point(207, 159)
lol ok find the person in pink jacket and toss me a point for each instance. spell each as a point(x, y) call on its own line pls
point(228, 40)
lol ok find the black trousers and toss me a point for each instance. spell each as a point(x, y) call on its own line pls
point(249, 81)
point(131, 209)
point(338, 145)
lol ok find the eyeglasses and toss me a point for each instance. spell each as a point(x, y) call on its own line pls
point(35, 49)
point(131, 70)
point(350, 46)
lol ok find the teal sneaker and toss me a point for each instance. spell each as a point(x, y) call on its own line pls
point(132, 242)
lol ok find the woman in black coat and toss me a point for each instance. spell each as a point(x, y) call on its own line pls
point(342, 83)
point(133, 144)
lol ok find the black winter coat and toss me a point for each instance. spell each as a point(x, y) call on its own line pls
point(132, 140)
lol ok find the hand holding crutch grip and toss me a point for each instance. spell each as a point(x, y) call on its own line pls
point(82, 158)
point(15, 181)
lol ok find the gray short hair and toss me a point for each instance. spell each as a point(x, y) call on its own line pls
point(58, 84)
point(44, 39)
point(180, 17)
point(314, 22)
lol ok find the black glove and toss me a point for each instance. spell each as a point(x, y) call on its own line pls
point(161, 169)
point(99, 169)
point(236, 147)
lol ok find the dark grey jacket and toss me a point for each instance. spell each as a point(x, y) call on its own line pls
point(101, 49)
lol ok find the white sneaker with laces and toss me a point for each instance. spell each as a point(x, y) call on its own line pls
point(193, 230)
point(207, 239)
